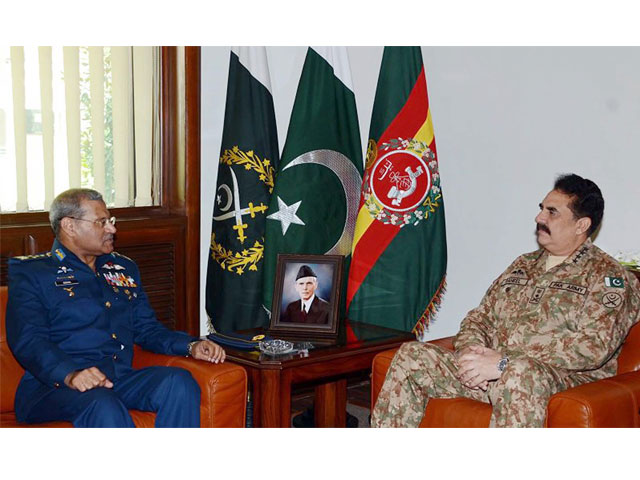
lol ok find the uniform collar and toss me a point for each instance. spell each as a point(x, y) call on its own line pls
point(64, 255)
point(575, 259)
point(59, 251)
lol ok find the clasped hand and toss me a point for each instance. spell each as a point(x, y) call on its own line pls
point(208, 351)
point(477, 366)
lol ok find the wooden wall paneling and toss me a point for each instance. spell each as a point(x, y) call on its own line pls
point(156, 245)
point(16, 241)
point(169, 112)
point(192, 187)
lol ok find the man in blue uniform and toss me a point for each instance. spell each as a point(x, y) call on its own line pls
point(73, 316)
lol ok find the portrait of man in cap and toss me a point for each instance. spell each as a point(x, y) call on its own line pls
point(310, 308)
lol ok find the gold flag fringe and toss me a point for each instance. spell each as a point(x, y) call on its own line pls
point(429, 313)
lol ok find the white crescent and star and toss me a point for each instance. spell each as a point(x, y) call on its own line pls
point(227, 190)
point(350, 180)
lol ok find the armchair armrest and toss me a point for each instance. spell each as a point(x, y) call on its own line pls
point(223, 386)
point(611, 402)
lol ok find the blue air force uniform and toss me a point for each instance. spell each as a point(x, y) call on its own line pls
point(63, 317)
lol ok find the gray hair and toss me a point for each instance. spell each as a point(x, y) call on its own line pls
point(67, 204)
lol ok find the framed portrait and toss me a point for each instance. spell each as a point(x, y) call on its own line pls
point(306, 295)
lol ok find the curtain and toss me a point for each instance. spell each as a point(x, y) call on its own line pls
point(79, 117)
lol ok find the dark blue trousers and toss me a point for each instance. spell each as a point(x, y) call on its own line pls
point(170, 392)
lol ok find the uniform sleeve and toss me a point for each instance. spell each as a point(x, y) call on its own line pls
point(28, 329)
point(150, 334)
point(598, 328)
point(478, 326)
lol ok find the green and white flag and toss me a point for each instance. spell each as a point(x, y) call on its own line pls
point(248, 160)
point(315, 201)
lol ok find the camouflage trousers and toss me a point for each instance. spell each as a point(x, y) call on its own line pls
point(420, 371)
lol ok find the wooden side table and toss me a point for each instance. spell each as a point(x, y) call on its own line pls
point(272, 377)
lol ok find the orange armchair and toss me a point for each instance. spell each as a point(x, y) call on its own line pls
point(611, 402)
point(223, 386)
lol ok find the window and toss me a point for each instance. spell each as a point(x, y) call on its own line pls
point(79, 117)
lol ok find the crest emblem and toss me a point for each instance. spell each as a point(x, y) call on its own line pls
point(403, 185)
point(230, 207)
point(611, 300)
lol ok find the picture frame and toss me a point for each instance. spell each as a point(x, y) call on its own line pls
point(295, 285)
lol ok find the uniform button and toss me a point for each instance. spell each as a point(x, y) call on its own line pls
point(114, 336)
point(107, 304)
point(115, 357)
point(57, 385)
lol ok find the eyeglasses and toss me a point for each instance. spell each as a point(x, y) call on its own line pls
point(101, 223)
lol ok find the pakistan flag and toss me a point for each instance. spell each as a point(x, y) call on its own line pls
point(314, 204)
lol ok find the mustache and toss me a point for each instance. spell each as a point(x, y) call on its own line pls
point(544, 228)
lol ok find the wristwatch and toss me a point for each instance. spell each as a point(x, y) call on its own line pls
point(502, 364)
point(190, 347)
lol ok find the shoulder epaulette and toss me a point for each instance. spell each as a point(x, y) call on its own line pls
point(37, 256)
point(116, 254)
point(532, 255)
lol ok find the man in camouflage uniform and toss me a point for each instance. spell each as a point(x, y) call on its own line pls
point(553, 320)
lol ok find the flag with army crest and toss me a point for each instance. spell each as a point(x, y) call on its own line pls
point(399, 259)
point(314, 204)
point(248, 161)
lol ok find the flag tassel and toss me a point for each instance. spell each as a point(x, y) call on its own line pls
point(431, 310)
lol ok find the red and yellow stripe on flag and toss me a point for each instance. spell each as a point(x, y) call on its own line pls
point(398, 266)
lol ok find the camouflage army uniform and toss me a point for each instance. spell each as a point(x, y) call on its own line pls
point(560, 328)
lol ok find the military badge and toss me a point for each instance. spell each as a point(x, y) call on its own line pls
point(64, 269)
point(537, 295)
point(119, 279)
point(614, 282)
point(60, 254)
point(403, 185)
point(611, 300)
point(113, 266)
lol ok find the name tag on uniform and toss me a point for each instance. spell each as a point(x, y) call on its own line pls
point(66, 281)
point(514, 281)
point(569, 287)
